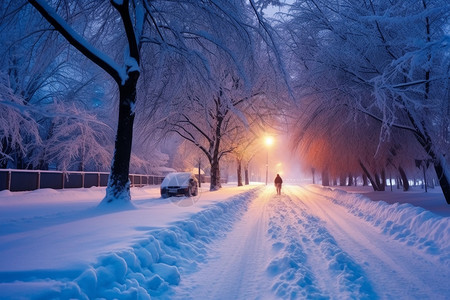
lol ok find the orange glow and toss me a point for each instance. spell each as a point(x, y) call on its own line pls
point(268, 141)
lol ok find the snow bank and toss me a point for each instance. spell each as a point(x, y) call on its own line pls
point(409, 224)
point(148, 268)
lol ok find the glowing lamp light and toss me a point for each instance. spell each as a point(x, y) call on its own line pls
point(268, 141)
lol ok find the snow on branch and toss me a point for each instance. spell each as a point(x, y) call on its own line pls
point(205, 35)
point(18, 130)
point(123, 9)
point(381, 120)
point(76, 40)
point(417, 82)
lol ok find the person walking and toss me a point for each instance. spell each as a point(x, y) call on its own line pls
point(278, 181)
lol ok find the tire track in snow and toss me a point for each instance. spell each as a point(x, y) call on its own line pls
point(293, 277)
point(277, 250)
point(235, 266)
point(310, 264)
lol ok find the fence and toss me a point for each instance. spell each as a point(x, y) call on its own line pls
point(27, 180)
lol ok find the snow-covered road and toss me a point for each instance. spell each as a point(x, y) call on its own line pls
point(246, 242)
point(236, 268)
point(303, 244)
point(382, 265)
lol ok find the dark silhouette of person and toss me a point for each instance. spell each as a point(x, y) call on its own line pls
point(278, 181)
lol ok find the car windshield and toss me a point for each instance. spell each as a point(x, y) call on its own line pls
point(176, 179)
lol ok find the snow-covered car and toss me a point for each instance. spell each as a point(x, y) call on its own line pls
point(180, 183)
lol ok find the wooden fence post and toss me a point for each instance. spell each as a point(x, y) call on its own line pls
point(8, 181)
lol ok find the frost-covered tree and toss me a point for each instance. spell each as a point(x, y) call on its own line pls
point(209, 124)
point(216, 119)
point(147, 157)
point(25, 73)
point(261, 116)
point(207, 105)
point(243, 155)
point(125, 72)
point(19, 132)
point(344, 143)
point(54, 84)
point(119, 34)
point(413, 91)
point(76, 140)
point(387, 60)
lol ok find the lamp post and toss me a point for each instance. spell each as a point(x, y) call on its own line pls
point(268, 141)
point(199, 174)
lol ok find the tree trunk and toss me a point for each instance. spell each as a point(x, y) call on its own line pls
point(214, 149)
point(239, 172)
point(440, 166)
point(313, 172)
point(372, 181)
point(342, 180)
point(215, 175)
point(325, 178)
point(118, 183)
point(383, 179)
point(247, 180)
point(350, 180)
point(443, 174)
point(364, 179)
point(379, 179)
point(439, 161)
point(405, 182)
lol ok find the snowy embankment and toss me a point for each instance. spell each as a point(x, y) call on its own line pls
point(144, 268)
point(412, 225)
point(155, 263)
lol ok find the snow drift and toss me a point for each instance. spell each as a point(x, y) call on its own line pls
point(410, 224)
point(148, 268)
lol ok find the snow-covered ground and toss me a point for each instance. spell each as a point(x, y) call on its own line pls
point(237, 243)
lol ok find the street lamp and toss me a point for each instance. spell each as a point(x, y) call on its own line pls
point(268, 141)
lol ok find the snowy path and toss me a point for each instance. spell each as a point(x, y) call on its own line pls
point(304, 245)
point(236, 269)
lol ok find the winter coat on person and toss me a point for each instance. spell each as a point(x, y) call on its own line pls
point(278, 179)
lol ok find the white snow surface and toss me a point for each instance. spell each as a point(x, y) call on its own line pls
point(310, 242)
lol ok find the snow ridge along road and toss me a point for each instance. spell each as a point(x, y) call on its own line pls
point(305, 245)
